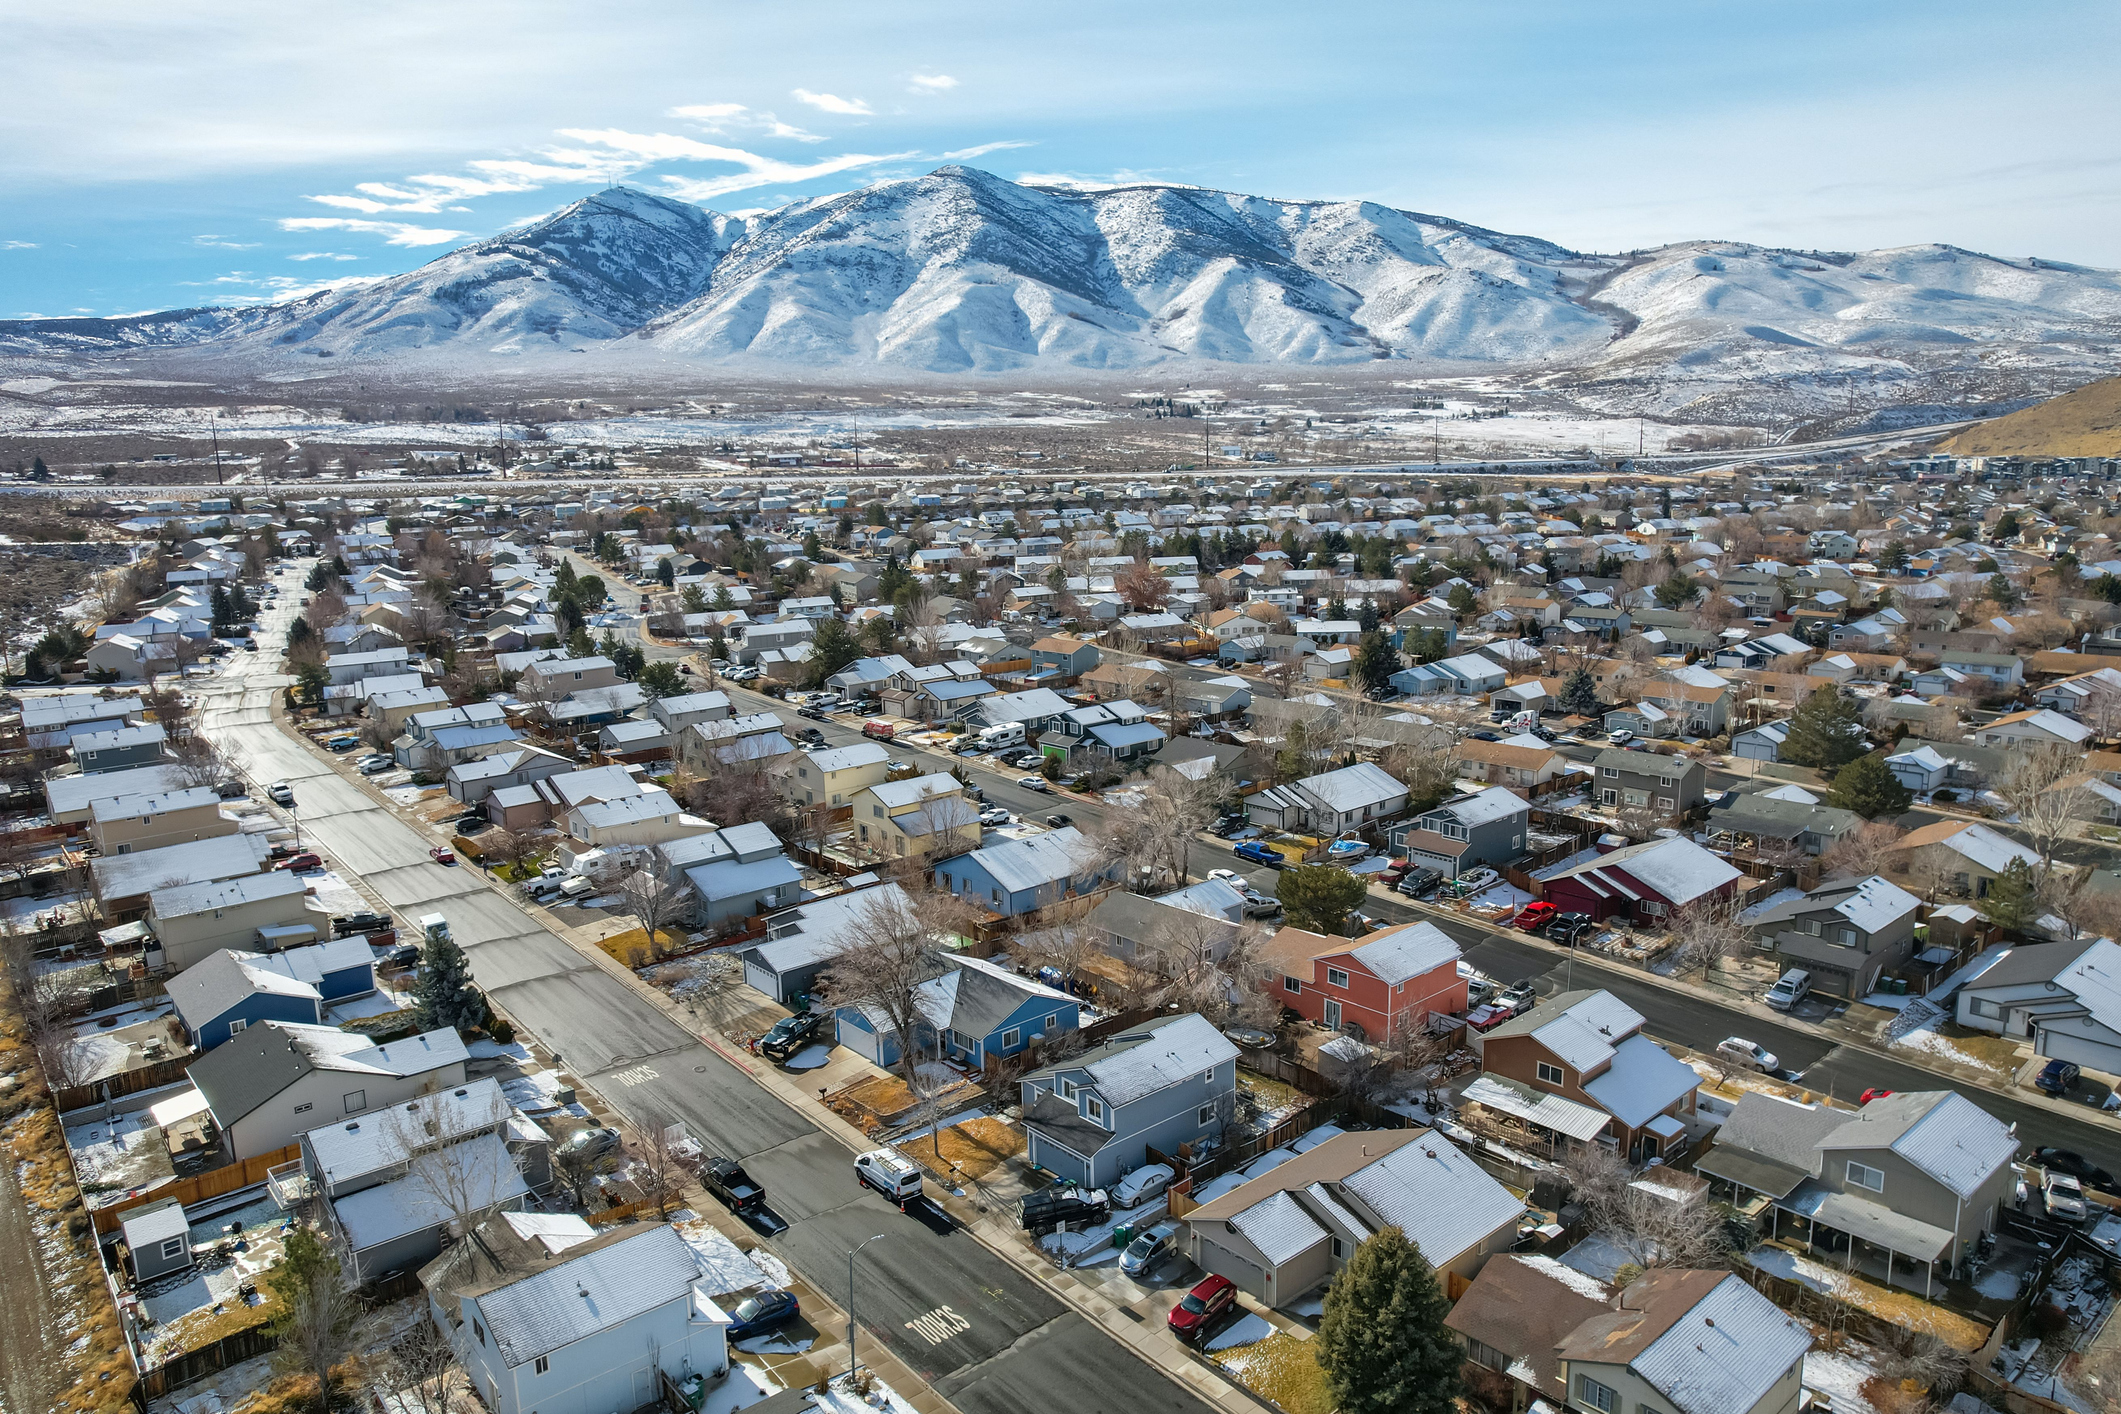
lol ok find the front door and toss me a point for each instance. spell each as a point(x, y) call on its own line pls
point(1332, 1016)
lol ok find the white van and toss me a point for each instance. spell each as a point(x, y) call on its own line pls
point(1789, 989)
point(890, 1173)
point(1007, 734)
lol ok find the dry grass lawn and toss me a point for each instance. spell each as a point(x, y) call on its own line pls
point(632, 948)
point(1280, 1369)
point(975, 1148)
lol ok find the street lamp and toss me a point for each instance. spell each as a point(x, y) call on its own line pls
point(850, 1302)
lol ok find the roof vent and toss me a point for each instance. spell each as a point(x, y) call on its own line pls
point(1430, 1152)
point(1709, 1321)
point(354, 1128)
point(462, 1093)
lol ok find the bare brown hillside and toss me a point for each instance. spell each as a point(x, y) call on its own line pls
point(2085, 423)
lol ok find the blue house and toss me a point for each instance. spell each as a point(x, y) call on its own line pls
point(1022, 876)
point(973, 1014)
point(1093, 1118)
point(228, 990)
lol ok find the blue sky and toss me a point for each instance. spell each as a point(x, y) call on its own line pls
point(239, 150)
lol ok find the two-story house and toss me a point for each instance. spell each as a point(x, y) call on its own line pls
point(129, 823)
point(2063, 997)
point(921, 816)
point(1015, 877)
point(1522, 763)
point(1060, 661)
point(1587, 1049)
point(546, 1313)
point(119, 748)
point(229, 989)
point(551, 679)
point(2039, 727)
point(1294, 1227)
point(1362, 796)
point(1372, 988)
point(1487, 827)
point(832, 777)
point(973, 1013)
point(1653, 1350)
point(1844, 933)
point(262, 911)
point(1913, 1178)
point(1647, 882)
point(1093, 1118)
point(1648, 780)
point(274, 1081)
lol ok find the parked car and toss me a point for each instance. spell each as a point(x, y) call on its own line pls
point(995, 815)
point(1749, 1053)
point(1203, 1308)
point(1036, 783)
point(1473, 881)
point(1259, 905)
point(1417, 882)
point(1253, 852)
point(726, 1180)
point(2063, 1197)
point(1790, 988)
point(1570, 928)
point(1147, 1182)
point(377, 765)
point(442, 854)
point(1045, 1210)
point(762, 1312)
point(280, 793)
point(403, 955)
point(890, 1173)
point(815, 714)
point(300, 863)
point(347, 925)
point(879, 731)
point(1874, 1093)
point(1620, 736)
point(1148, 1249)
point(230, 789)
point(1535, 916)
point(2076, 1166)
point(791, 1034)
point(1057, 820)
point(592, 1141)
point(342, 743)
point(2056, 1077)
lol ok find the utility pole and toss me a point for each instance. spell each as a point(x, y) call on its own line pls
point(850, 1302)
point(213, 422)
point(857, 441)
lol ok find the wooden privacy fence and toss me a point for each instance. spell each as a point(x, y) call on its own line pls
point(129, 1082)
point(199, 1187)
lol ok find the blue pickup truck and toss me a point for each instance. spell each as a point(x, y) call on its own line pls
point(1253, 852)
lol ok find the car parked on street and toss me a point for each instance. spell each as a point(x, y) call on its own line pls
point(726, 1180)
point(1058, 820)
point(280, 793)
point(890, 1173)
point(1535, 916)
point(442, 854)
point(2076, 1166)
point(1748, 1053)
point(1036, 783)
point(1253, 852)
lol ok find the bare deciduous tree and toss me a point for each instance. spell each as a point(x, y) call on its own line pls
point(1657, 1223)
point(449, 1159)
point(658, 1151)
point(1863, 851)
point(892, 955)
point(419, 1371)
point(2045, 786)
point(1708, 933)
point(654, 899)
point(1153, 841)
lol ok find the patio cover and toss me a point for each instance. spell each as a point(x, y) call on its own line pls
point(1514, 1097)
point(1873, 1222)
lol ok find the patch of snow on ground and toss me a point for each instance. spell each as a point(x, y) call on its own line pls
point(1917, 1014)
point(775, 1269)
point(742, 1387)
point(809, 1058)
point(1840, 1377)
point(1311, 1307)
point(1248, 1330)
point(1999, 1285)
point(484, 1049)
point(1507, 896)
point(775, 1344)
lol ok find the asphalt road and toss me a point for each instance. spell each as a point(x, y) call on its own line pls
point(1695, 1019)
point(1009, 1338)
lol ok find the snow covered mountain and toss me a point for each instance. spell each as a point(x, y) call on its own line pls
point(962, 272)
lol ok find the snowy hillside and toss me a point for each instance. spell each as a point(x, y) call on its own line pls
point(959, 271)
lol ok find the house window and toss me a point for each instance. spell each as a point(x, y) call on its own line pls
point(1206, 1115)
point(1665, 781)
point(356, 1100)
point(173, 1247)
point(1293, 986)
point(479, 1331)
point(1052, 1022)
point(1011, 1037)
point(1550, 1074)
point(1864, 1176)
point(1065, 1089)
point(1611, 797)
point(1479, 1352)
point(1611, 773)
point(877, 811)
point(1664, 802)
point(543, 1364)
point(237, 1025)
point(1595, 1395)
point(1985, 1008)
point(1093, 1109)
point(1338, 1250)
point(301, 1109)
point(1336, 978)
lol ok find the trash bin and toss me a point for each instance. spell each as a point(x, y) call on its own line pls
point(1122, 1235)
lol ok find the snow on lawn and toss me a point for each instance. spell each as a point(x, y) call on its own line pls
point(742, 1387)
point(1504, 896)
point(1841, 1377)
point(1244, 1331)
point(126, 1153)
point(809, 1058)
point(838, 1399)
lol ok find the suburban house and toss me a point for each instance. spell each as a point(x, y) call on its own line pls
point(1168, 1084)
point(1586, 1049)
point(1648, 780)
point(274, 1081)
point(681, 711)
point(70, 800)
point(1371, 988)
point(832, 777)
point(1335, 802)
point(552, 679)
point(921, 816)
point(706, 746)
point(1290, 1230)
point(264, 911)
point(1137, 928)
point(1060, 661)
point(2039, 727)
point(121, 883)
point(1762, 823)
point(735, 873)
point(1913, 1178)
point(973, 1012)
point(1521, 763)
point(472, 782)
point(1647, 882)
point(128, 823)
point(648, 817)
point(1845, 933)
point(1761, 743)
point(229, 990)
point(420, 750)
point(1957, 856)
point(118, 749)
point(2063, 997)
point(1652, 1350)
point(1020, 876)
point(1486, 827)
point(1514, 1314)
point(547, 1313)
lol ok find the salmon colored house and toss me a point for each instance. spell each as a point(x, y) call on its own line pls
point(1367, 986)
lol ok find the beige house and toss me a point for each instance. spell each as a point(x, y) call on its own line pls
point(921, 816)
point(650, 818)
point(832, 777)
point(1651, 1352)
point(1507, 763)
point(256, 913)
point(127, 824)
point(554, 678)
point(271, 1083)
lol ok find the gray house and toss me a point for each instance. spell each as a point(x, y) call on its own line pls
point(2061, 996)
point(1795, 824)
point(1648, 780)
point(1761, 743)
point(1844, 933)
point(1093, 1118)
point(738, 872)
point(119, 749)
point(1486, 827)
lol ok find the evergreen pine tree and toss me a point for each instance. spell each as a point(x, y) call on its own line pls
point(1461, 599)
point(2013, 902)
point(1867, 786)
point(666, 574)
point(1370, 619)
point(1579, 693)
point(1826, 730)
point(1382, 1342)
point(444, 995)
point(1375, 662)
point(832, 647)
point(563, 581)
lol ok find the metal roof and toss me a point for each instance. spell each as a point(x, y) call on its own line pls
point(1725, 1353)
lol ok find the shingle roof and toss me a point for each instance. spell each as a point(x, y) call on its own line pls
point(587, 1292)
point(1280, 1228)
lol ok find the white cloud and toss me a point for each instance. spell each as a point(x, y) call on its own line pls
point(395, 232)
point(984, 148)
point(932, 83)
point(643, 149)
point(20, 245)
point(722, 117)
point(425, 194)
point(709, 112)
point(223, 243)
point(833, 103)
point(322, 255)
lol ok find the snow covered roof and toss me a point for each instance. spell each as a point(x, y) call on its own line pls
point(1642, 1082)
point(1486, 806)
point(1279, 1228)
point(1441, 1199)
point(1353, 787)
point(1581, 1028)
point(1408, 951)
point(1944, 1134)
point(1141, 1063)
point(545, 1310)
point(1725, 1353)
point(1677, 868)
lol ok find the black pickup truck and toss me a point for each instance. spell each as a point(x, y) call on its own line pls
point(726, 1180)
point(1047, 1209)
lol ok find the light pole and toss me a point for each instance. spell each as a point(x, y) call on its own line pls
point(850, 1301)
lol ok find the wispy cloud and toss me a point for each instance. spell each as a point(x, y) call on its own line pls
point(425, 194)
point(1073, 181)
point(724, 117)
point(644, 149)
point(244, 287)
point(833, 103)
point(322, 255)
point(223, 243)
point(394, 232)
point(984, 148)
point(20, 245)
point(932, 83)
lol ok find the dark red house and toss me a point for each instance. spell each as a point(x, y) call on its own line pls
point(1646, 882)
